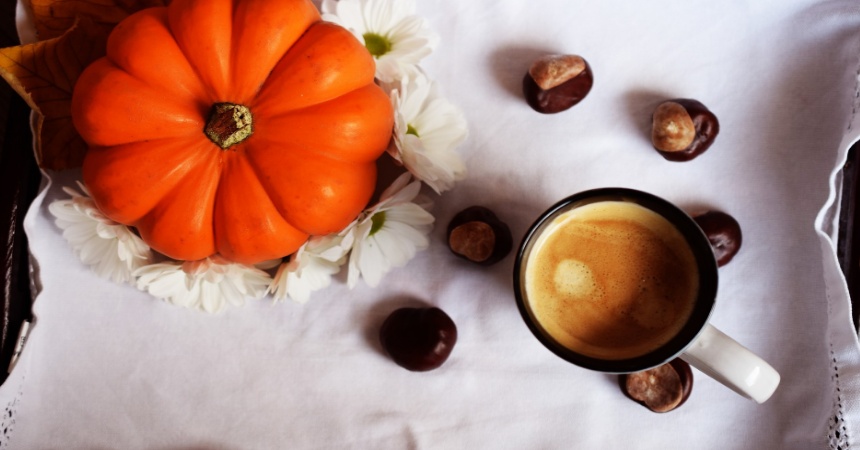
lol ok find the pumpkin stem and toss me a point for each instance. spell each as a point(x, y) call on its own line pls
point(229, 124)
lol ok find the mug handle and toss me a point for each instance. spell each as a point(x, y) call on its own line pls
point(725, 360)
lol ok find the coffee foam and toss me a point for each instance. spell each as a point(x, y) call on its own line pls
point(611, 280)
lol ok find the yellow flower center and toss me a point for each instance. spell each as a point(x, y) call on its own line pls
point(377, 45)
point(377, 221)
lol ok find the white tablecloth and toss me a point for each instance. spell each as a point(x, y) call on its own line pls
point(108, 366)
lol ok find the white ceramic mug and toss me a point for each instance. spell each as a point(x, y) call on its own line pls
point(697, 342)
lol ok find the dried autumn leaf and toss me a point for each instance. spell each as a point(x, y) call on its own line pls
point(44, 74)
point(52, 18)
point(72, 34)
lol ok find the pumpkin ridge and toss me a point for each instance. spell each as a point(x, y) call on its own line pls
point(360, 112)
point(248, 226)
point(105, 93)
point(126, 197)
point(276, 26)
point(178, 226)
point(252, 148)
point(273, 192)
point(203, 32)
point(145, 35)
point(324, 64)
point(332, 193)
point(211, 97)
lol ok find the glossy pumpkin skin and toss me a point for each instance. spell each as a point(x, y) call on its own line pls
point(319, 124)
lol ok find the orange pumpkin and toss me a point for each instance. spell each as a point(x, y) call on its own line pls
point(237, 127)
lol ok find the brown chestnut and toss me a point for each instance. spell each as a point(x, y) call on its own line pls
point(418, 339)
point(682, 129)
point(477, 234)
point(723, 232)
point(662, 388)
point(555, 83)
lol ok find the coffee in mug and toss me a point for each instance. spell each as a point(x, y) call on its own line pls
point(611, 280)
point(619, 281)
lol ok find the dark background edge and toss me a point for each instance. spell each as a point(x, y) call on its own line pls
point(19, 184)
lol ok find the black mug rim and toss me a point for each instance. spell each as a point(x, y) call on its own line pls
point(705, 262)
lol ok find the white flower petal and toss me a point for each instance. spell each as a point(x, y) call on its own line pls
point(372, 263)
point(414, 236)
point(278, 286)
point(409, 36)
point(353, 272)
point(209, 285)
point(428, 129)
point(310, 268)
point(401, 183)
point(109, 248)
point(298, 291)
point(403, 232)
point(396, 251)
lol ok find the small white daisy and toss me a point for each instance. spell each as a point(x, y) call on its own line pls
point(427, 131)
point(209, 284)
point(396, 37)
point(110, 248)
point(389, 234)
point(310, 268)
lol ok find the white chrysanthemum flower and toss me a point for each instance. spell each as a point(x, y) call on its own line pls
point(427, 131)
point(396, 37)
point(209, 284)
point(310, 268)
point(389, 234)
point(111, 249)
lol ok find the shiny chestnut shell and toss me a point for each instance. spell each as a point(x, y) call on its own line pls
point(418, 339)
point(478, 235)
point(660, 389)
point(557, 96)
point(723, 232)
point(705, 126)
